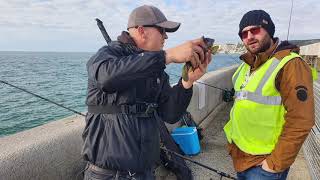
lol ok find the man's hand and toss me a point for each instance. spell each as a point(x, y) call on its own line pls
point(198, 72)
point(264, 166)
point(189, 51)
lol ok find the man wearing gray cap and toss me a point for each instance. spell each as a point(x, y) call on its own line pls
point(129, 93)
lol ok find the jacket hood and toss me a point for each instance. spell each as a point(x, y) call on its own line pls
point(285, 46)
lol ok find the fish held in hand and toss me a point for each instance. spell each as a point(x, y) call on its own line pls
point(209, 46)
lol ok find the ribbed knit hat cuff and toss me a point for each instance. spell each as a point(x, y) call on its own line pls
point(257, 18)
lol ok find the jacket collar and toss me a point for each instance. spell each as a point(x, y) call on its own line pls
point(126, 38)
point(256, 60)
point(279, 50)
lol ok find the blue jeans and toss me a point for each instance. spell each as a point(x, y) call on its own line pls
point(257, 173)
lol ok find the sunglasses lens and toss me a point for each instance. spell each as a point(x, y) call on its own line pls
point(161, 30)
point(244, 34)
point(254, 31)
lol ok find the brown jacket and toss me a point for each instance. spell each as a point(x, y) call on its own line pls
point(295, 85)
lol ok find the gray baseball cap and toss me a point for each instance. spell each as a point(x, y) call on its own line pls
point(148, 16)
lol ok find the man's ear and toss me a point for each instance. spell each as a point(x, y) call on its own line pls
point(142, 33)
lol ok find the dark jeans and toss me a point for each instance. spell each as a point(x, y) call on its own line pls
point(91, 174)
point(257, 173)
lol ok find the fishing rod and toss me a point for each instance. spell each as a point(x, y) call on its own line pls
point(103, 30)
point(290, 20)
point(222, 174)
point(77, 112)
point(201, 83)
point(200, 164)
point(228, 94)
point(38, 96)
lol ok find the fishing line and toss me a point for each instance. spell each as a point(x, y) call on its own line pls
point(74, 111)
point(199, 164)
point(290, 20)
point(201, 83)
point(227, 96)
point(38, 96)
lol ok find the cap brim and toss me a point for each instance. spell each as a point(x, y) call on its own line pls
point(169, 26)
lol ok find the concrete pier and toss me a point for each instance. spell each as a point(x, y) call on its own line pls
point(215, 155)
point(52, 151)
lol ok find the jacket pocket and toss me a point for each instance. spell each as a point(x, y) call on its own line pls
point(152, 88)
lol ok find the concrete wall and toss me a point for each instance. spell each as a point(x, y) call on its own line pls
point(52, 151)
point(206, 99)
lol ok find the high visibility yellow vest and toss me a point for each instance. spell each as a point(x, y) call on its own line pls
point(257, 116)
point(314, 73)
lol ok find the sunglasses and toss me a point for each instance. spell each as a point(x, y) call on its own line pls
point(161, 30)
point(254, 31)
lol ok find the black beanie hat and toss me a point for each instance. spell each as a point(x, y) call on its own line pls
point(257, 17)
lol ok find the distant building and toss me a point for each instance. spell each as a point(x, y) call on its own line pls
point(232, 48)
point(310, 51)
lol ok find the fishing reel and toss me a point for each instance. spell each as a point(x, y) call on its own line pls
point(228, 95)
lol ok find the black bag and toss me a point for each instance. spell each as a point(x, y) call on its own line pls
point(169, 160)
point(187, 120)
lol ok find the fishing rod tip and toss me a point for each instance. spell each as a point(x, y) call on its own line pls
point(98, 20)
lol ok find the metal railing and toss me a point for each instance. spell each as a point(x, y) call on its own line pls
point(311, 147)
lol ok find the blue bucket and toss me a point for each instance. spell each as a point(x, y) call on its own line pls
point(187, 138)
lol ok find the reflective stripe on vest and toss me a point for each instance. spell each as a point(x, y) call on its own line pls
point(257, 117)
point(236, 74)
point(268, 100)
point(257, 95)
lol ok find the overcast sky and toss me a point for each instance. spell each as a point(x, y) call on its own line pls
point(69, 25)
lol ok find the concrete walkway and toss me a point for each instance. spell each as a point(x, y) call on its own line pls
point(214, 154)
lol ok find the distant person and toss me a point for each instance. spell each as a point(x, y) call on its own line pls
point(273, 111)
point(129, 91)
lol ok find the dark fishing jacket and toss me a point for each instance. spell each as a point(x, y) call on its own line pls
point(122, 74)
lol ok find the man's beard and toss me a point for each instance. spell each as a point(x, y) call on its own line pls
point(264, 45)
